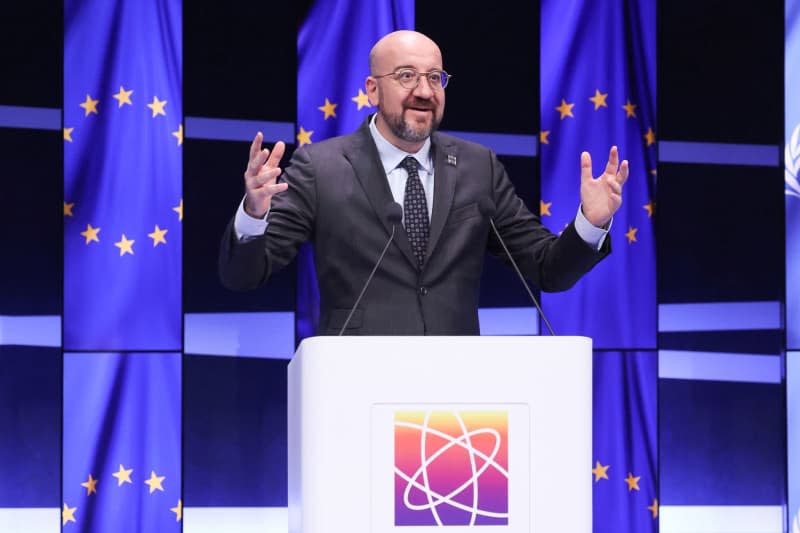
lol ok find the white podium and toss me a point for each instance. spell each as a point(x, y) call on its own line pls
point(415, 433)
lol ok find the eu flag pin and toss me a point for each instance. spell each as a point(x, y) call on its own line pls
point(451, 159)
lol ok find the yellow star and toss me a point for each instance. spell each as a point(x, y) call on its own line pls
point(178, 510)
point(123, 96)
point(125, 246)
point(599, 99)
point(67, 514)
point(600, 471)
point(123, 476)
point(633, 482)
point(630, 109)
point(631, 235)
point(68, 134)
point(544, 208)
point(158, 236)
point(179, 134)
point(304, 137)
point(89, 106)
point(157, 106)
point(154, 482)
point(68, 208)
point(179, 209)
point(361, 99)
point(329, 109)
point(543, 135)
point(565, 109)
point(654, 508)
point(91, 485)
point(649, 207)
point(650, 136)
point(90, 234)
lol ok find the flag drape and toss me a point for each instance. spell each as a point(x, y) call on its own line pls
point(333, 62)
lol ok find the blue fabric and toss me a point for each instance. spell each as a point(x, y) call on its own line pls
point(122, 174)
point(333, 61)
point(624, 426)
point(606, 47)
point(792, 173)
point(122, 411)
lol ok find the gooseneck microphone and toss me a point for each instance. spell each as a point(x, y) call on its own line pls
point(394, 213)
point(487, 209)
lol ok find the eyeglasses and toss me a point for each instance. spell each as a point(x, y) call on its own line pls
point(409, 78)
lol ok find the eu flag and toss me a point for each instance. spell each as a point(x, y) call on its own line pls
point(598, 90)
point(122, 443)
point(122, 175)
point(333, 61)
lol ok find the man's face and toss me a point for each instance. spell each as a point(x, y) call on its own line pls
point(410, 115)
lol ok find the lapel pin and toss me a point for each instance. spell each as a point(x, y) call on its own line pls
point(451, 159)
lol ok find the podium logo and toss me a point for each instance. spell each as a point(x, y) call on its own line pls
point(451, 468)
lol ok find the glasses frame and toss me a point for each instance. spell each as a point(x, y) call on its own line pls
point(441, 86)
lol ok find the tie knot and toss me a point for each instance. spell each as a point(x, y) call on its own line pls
point(410, 164)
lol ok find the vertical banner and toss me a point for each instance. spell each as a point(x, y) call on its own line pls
point(333, 62)
point(793, 436)
point(792, 172)
point(598, 90)
point(122, 443)
point(624, 427)
point(122, 175)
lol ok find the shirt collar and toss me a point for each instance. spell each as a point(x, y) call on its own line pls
point(391, 156)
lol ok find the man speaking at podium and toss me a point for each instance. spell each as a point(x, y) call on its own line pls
point(340, 195)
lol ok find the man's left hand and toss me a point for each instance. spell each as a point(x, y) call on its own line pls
point(601, 197)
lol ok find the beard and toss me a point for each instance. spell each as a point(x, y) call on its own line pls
point(409, 131)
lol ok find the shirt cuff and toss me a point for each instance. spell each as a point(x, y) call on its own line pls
point(591, 235)
point(248, 227)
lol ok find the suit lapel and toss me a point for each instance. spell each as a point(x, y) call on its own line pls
point(363, 156)
point(444, 178)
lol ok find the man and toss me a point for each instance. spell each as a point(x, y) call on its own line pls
point(337, 193)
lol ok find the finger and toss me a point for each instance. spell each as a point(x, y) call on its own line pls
point(277, 188)
point(266, 176)
point(613, 161)
point(255, 146)
point(586, 167)
point(624, 169)
point(616, 187)
point(277, 154)
point(255, 164)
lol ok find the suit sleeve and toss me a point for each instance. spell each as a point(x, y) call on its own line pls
point(248, 264)
point(553, 263)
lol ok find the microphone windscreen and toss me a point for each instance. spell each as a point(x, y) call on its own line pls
point(394, 212)
point(486, 207)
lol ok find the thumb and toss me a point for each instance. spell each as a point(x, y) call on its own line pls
point(586, 167)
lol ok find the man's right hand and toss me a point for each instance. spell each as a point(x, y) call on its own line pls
point(260, 178)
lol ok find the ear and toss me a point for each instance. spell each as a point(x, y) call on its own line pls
point(372, 90)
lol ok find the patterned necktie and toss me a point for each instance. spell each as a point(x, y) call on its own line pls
point(415, 210)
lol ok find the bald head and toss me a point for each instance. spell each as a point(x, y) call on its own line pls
point(396, 49)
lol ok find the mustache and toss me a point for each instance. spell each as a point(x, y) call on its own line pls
point(421, 104)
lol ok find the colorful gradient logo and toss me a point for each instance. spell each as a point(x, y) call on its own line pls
point(451, 468)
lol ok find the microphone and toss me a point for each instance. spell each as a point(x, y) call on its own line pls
point(394, 213)
point(487, 209)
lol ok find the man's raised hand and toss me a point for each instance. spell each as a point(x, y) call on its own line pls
point(601, 197)
point(260, 178)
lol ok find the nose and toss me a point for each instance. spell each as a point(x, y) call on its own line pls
point(423, 88)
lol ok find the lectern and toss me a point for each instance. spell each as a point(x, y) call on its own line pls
point(414, 434)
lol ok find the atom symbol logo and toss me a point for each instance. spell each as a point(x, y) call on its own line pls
point(451, 468)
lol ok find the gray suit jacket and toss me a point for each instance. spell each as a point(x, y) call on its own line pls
point(337, 198)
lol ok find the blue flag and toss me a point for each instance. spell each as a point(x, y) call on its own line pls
point(122, 175)
point(333, 61)
point(122, 443)
point(792, 179)
point(792, 173)
point(598, 90)
point(624, 427)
